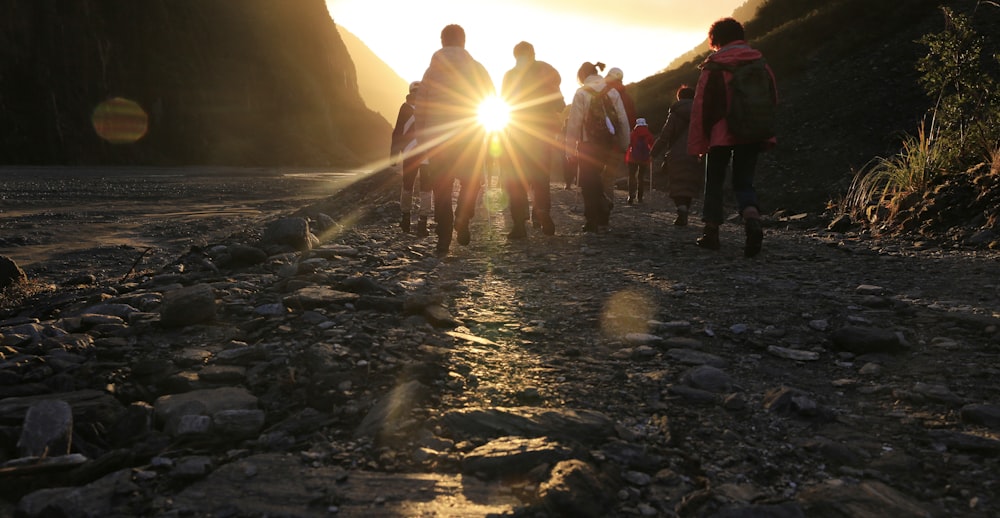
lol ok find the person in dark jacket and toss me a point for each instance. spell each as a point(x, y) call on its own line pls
point(404, 144)
point(710, 136)
point(452, 88)
point(684, 173)
point(531, 89)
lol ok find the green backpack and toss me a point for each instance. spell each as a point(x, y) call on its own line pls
point(751, 112)
point(599, 121)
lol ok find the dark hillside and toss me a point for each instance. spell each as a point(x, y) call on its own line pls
point(254, 82)
point(847, 83)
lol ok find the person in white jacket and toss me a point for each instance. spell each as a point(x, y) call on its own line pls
point(594, 158)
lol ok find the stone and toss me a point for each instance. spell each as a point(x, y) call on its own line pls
point(867, 499)
point(291, 232)
point(10, 273)
point(188, 306)
point(47, 429)
point(171, 408)
point(708, 378)
point(985, 415)
point(390, 415)
point(508, 456)
point(576, 488)
point(864, 340)
point(314, 297)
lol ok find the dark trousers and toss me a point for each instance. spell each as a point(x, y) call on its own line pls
point(593, 160)
point(526, 169)
point(411, 169)
point(637, 178)
point(460, 161)
point(744, 161)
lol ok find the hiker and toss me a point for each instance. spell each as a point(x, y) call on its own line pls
point(448, 99)
point(611, 175)
point(684, 173)
point(404, 143)
point(595, 152)
point(531, 89)
point(713, 134)
point(638, 159)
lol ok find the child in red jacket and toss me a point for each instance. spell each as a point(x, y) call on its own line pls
point(638, 159)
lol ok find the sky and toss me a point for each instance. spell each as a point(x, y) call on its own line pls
point(641, 37)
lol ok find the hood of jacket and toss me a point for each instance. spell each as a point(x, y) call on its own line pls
point(451, 88)
point(683, 108)
point(736, 52)
point(595, 82)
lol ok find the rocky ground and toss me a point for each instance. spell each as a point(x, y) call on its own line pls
point(628, 373)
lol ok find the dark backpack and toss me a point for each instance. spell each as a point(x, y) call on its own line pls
point(751, 110)
point(599, 119)
point(640, 151)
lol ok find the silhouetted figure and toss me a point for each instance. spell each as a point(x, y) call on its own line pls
point(448, 100)
point(404, 143)
point(685, 173)
point(711, 134)
point(531, 89)
point(594, 158)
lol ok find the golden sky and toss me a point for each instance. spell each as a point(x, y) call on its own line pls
point(640, 37)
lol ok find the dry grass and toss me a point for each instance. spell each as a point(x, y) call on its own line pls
point(17, 294)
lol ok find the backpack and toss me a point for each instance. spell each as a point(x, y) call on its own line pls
point(640, 151)
point(599, 119)
point(751, 110)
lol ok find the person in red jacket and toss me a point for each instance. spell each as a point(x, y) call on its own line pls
point(638, 159)
point(710, 135)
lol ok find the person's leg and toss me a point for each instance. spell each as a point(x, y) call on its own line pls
point(683, 204)
point(744, 166)
point(633, 182)
point(442, 184)
point(470, 186)
point(410, 169)
point(641, 176)
point(539, 180)
point(591, 188)
point(426, 201)
point(516, 184)
point(716, 163)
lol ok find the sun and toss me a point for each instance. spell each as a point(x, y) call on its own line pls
point(494, 114)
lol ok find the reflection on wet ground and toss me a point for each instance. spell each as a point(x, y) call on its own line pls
point(46, 211)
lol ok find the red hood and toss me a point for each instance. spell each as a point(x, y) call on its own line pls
point(736, 52)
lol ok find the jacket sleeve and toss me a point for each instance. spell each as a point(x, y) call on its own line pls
point(405, 111)
point(574, 123)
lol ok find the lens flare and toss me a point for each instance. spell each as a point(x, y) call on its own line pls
point(494, 114)
point(120, 121)
point(627, 312)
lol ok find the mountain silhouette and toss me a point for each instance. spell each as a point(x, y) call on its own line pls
point(382, 89)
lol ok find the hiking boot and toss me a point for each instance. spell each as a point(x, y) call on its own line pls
point(755, 237)
point(548, 226)
point(462, 229)
point(629, 200)
point(682, 219)
point(590, 228)
point(709, 239)
point(404, 222)
point(518, 232)
point(422, 227)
